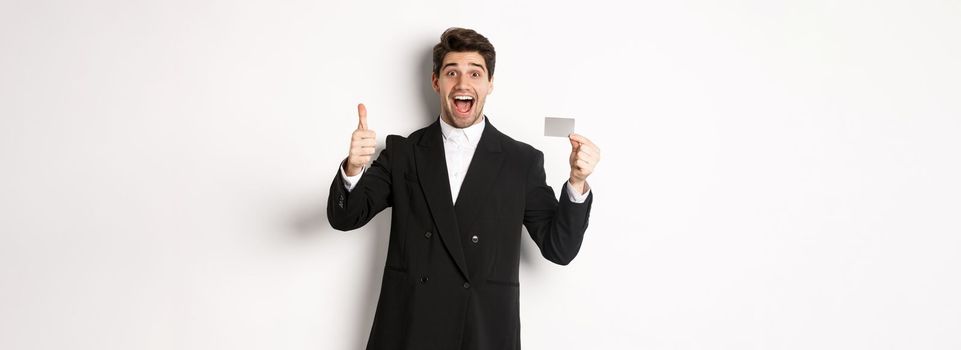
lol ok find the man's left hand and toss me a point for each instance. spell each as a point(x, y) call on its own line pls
point(584, 156)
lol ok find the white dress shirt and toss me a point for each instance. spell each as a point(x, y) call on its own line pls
point(459, 146)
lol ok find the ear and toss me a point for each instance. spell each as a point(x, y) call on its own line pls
point(491, 89)
point(434, 83)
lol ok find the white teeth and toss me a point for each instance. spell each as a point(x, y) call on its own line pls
point(465, 98)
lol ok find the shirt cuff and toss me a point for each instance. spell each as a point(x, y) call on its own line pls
point(575, 197)
point(350, 181)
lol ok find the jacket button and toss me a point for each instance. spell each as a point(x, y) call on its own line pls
point(427, 235)
point(423, 279)
point(466, 285)
point(474, 239)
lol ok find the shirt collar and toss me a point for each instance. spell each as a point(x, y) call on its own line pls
point(473, 132)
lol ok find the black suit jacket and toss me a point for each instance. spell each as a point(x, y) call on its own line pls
point(450, 279)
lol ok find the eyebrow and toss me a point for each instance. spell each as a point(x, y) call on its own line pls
point(472, 64)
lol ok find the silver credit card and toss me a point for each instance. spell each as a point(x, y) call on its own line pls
point(560, 127)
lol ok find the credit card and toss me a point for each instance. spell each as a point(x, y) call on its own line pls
point(559, 127)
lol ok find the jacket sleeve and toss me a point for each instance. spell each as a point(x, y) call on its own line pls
point(350, 210)
point(557, 227)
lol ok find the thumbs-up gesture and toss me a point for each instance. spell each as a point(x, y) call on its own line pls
point(584, 156)
point(362, 144)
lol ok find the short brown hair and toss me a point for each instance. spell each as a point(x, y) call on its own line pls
point(464, 40)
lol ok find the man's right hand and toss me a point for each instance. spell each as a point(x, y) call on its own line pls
point(363, 142)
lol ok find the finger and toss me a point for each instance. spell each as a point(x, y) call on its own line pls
point(581, 139)
point(591, 146)
point(583, 166)
point(585, 152)
point(574, 144)
point(363, 145)
point(359, 160)
point(362, 116)
point(592, 159)
point(363, 155)
point(583, 160)
point(594, 149)
point(364, 134)
point(363, 151)
point(588, 157)
point(367, 142)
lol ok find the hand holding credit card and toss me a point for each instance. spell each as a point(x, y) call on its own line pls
point(584, 153)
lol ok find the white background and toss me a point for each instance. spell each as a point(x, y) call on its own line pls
point(776, 175)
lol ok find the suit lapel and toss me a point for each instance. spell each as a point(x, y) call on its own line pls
point(483, 170)
point(432, 172)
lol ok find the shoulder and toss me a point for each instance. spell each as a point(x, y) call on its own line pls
point(413, 138)
point(402, 144)
point(418, 136)
point(519, 148)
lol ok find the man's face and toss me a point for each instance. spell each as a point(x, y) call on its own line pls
point(462, 87)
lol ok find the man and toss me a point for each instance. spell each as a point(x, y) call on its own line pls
point(460, 191)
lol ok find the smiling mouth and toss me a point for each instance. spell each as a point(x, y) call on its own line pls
point(463, 104)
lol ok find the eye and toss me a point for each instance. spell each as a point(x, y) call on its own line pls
point(475, 75)
point(451, 73)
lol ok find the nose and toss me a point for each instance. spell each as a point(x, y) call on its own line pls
point(460, 82)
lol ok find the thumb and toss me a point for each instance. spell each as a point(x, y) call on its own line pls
point(574, 144)
point(362, 116)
